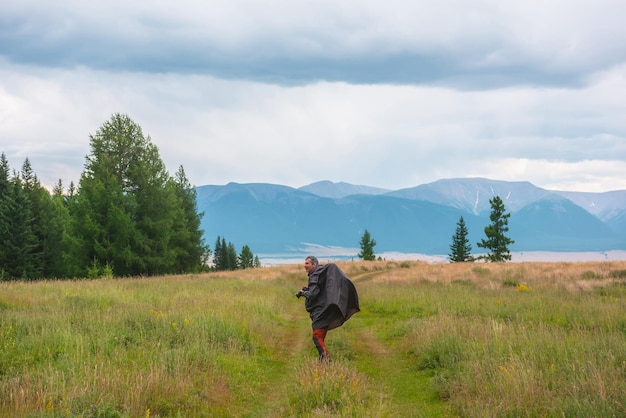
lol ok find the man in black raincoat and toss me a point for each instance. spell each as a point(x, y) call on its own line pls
point(331, 299)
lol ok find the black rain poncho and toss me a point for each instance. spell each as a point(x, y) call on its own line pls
point(331, 298)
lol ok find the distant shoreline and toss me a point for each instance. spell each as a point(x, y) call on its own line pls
point(336, 254)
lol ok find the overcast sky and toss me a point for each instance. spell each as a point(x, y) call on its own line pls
point(389, 94)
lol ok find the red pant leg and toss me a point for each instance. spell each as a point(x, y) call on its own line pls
point(318, 339)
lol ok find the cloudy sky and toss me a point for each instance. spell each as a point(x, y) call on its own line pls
point(389, 94)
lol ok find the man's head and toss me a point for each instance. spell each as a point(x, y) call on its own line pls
point(310, 263)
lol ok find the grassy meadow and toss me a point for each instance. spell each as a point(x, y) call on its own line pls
point(432, 340)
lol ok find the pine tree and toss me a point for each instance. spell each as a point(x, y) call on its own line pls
point(4, 213)
point(231, 257)
point(17, 240)
point(225, 255)
point(124, 210)
point(56, 223)
point(367, 247)
point(41, 222)
point(4, 175)
point(497, 243)
point(219, 257)
point(460, 249)
point(191, 253)
point(246, 258)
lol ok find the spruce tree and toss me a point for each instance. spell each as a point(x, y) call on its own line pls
point(246, 258)
point(219, 257)
point(124, 210)
point(40, 203)
point(460, 249)
point(497, 243)
point(188, 245)
point(231, 263)
point(17, 240)
point(4, 213)
point(56, 223)
point(4, 175)
point(367, 247)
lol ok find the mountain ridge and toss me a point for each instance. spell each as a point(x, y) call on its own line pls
point(274, 218)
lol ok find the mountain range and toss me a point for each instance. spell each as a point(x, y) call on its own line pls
point(277, 219)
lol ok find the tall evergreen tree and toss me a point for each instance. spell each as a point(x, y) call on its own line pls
point(23, 222)
point(460, 249)
point(188, 245)
point(124, 210)
point(367, 247)
point(17, 240)
point(5, 172)
point(225, 255)
point(4, 212)
point(231, 257)
point(219, 255)
point(39, 201)
point(497, 243)
point(56, 223)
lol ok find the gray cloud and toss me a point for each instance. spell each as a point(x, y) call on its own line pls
point(474, 45)
point(390, 95)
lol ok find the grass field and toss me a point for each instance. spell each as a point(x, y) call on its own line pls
point(432, 340)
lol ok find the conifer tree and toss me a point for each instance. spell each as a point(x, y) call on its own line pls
point(219, 257)
point(246, 258)
point(367, 247)
point(188, 245)
point(39, 201)
point(231, 257)
point(56, 223)
point(497, 243)
point(123, 212)
point(4, 174)
point(17, 240)
point(460, 249)
point(4, 213)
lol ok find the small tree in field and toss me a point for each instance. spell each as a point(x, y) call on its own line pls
point(497, 243)
point(246, 258)
point(367, 247)
point(460, 249)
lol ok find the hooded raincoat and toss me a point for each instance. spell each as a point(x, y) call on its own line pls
point(331, 298)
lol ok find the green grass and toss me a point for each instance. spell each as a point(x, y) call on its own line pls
point(471, 340)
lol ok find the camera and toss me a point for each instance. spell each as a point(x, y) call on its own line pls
point(301, 292)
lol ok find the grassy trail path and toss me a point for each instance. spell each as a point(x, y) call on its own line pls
point(401, 387)
point(400, 383)
point(293, 346)
point(405, 388)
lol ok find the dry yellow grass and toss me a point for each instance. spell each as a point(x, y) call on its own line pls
point(571, 275)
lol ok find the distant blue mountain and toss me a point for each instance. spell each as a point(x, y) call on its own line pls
point(556, 223)
point(327, 188)
point(472, 194)
point(280, 219)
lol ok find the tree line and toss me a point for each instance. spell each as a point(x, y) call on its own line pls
point(126, 217)
point(225, 256)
